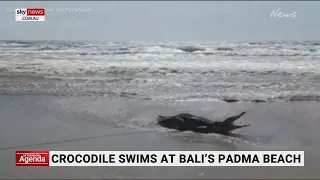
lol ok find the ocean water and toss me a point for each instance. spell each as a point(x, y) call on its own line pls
point(179, 71)
point(106, 96)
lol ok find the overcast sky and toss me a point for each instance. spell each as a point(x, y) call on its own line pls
point(166, 21)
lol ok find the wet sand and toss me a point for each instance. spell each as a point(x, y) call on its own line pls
point(74, 123)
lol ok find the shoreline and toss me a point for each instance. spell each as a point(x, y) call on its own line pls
point(127, 124)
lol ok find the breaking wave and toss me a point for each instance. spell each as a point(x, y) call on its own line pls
point(227, 71)
point(202, 48)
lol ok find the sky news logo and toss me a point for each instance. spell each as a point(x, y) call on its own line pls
point(30, 14)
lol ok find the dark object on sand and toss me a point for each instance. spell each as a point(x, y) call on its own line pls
point(230, 100)
point(188, 122)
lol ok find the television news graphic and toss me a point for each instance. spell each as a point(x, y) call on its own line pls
point(30, 14)
point(160, 158)
point(32, 158)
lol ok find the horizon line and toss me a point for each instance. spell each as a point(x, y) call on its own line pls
point(157, 40)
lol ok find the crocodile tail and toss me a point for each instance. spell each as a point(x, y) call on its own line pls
point(160, 118)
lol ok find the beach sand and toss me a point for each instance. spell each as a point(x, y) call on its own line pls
point(102, 123)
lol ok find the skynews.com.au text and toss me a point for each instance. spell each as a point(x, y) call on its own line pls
point(30, 14)
point(38, 14)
